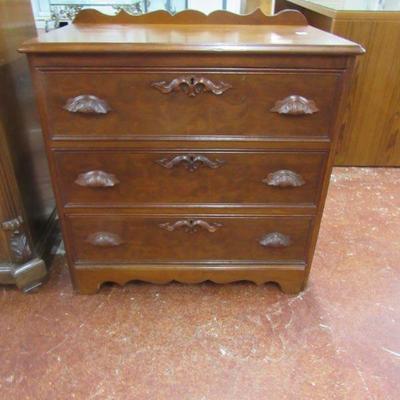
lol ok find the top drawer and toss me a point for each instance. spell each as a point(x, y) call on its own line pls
point(125, 103)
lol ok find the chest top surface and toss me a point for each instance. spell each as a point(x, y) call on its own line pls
point(191, 31)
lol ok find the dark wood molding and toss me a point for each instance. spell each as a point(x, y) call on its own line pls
point(26, 200)
point(192, 85)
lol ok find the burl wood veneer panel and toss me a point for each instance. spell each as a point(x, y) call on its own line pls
point(166, 103)
point(115, 178)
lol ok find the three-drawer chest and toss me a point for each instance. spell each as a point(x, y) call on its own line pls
point(190, 147)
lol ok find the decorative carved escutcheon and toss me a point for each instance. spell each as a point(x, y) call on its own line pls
point(104, 239)
point(191, 225)
point(18, 240)
point(192, 162)
point(284, 178)
point(96, 179)
point(87, 104)
point(192, 86)
point(295, 105)
point(275, 240)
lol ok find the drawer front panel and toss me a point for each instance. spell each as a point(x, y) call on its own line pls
point(115, 104)
point(182, 238)
point(112, 178)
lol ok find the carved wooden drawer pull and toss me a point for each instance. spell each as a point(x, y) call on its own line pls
point(295, 105)
point(284, 178)
point(87, 104)
point(192, 162)
point(275, 239)
point(104, 239)
point(191, 225)
point(192, 86)
point(96, 179)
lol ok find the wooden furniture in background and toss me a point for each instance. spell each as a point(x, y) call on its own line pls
point(27, 209)
point(370, 135)
point(190, 147)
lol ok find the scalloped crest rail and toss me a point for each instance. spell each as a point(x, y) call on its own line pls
point(286, 17)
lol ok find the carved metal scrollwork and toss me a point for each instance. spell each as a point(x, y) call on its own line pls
point(192, 86)
point(191, 225)
point(192, 162)
point(18, 240)
point(104, 239)
point(295, 105)
point(96, 179)
point(284, 178)
point(87, 104)
point(275, 240)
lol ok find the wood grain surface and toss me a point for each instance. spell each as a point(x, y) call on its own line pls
point(370, 133)
point(137, 108)
point(173, 161)
point(193, 31)
point(142, 180)
point(144, 240)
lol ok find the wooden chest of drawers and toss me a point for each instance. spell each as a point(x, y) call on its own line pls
point(190, 147)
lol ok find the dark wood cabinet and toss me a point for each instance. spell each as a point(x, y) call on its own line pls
point(28, 227)
point(190, 147)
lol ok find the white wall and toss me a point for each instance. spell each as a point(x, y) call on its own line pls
point(41, 12)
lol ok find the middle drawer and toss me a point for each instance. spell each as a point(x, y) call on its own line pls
point(116, 178)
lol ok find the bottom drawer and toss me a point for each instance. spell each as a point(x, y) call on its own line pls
point(104, 239)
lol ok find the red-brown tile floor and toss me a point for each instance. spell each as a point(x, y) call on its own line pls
point(340, 339)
